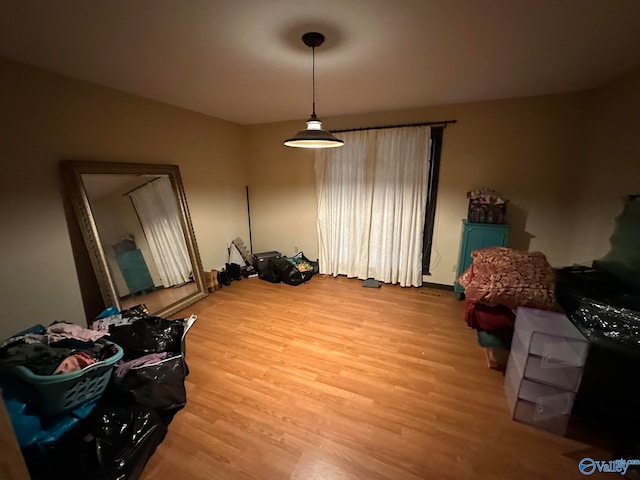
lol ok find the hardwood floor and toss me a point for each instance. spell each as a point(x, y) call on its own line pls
point(329, 380)
point(161, 297)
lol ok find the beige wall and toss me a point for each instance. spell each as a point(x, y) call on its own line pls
point(282, 191)
point(45, 118)
point(563, 161)
point(524, 148)
point(608, 164)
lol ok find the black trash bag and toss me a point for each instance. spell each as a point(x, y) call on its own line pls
point(268, 272)
point(305, 266)
point(140, 310)
point(287, 272)
point(125, 439)
point(113, 443)
point(300, 257)
point(159, 386)
point(306, 276)
point(148, 335)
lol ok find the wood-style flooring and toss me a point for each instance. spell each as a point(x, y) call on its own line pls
point(160, 298)
point(329, 380)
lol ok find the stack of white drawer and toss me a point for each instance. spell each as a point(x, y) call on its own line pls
point(545, 366)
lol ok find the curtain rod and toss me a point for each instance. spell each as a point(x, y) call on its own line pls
point(421, 124)
point(140, 186)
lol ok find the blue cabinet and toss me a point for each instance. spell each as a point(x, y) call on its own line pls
point(475, 236)
point(135, 272)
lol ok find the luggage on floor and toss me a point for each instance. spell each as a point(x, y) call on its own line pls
point(261, 261)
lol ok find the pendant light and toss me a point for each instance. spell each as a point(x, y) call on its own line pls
point(313, 136)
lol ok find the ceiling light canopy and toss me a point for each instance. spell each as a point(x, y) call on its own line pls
point(313, 136)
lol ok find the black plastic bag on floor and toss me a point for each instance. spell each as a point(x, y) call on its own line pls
point(268, 273)
point(113, 443)
point(287, 272)
point(306, 267)
point(136, 311)
point(148, 335)
point(160, 385)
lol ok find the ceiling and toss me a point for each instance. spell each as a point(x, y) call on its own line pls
point(243, 60)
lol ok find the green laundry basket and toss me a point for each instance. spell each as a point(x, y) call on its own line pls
point(56, 394)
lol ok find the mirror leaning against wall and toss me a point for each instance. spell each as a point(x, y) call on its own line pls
point(137, 228)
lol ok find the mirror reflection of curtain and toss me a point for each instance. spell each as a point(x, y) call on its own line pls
point(157, 209)
point(372, 197)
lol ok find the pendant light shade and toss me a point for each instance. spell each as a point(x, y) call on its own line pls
point(313, 136)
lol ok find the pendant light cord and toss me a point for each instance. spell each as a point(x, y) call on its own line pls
point(313, 136)
point(313, 76)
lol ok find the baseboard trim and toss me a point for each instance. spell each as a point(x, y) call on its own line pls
point(438, 286)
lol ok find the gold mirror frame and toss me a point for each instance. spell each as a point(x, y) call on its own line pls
point(72, 174)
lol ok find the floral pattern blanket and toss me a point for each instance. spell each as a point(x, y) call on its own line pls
point(504, 276)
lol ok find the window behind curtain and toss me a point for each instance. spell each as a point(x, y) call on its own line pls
point(435, 148)
point(371, 204)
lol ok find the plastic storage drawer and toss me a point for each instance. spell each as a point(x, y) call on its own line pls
point(552, 336)
point(549, 370)
point(545, 368)
point(536, 404)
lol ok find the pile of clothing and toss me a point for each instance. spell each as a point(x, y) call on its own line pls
point(499, 280)
point(111, 437)
point(59, 348)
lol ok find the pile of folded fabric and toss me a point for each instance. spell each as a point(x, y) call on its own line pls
point(499, 280)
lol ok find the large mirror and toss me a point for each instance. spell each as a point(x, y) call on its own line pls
point(138, 232)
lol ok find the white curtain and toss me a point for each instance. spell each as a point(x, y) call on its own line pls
point(159, 216)
point(371, 205)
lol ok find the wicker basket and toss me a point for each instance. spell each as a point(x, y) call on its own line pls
point(486, 212)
